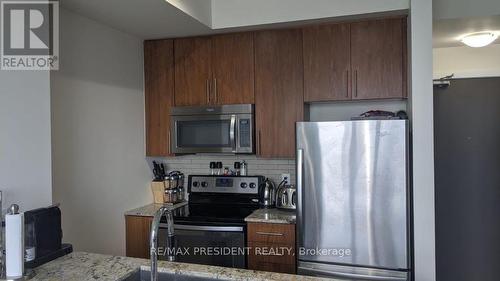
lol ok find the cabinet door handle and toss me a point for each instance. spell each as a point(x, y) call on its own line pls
point(169, 139)
point(208, 90)
point(347, 83)
point(355, 83)
point(215, 91)
point(258, 142)
point(269, 233)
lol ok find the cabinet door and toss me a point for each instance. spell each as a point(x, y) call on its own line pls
point(378, 59)
point(137, 231)
point(233, 66)
point(279, 239)
point(278, 91)
point(159, 95)
point(327, 62)
point(193, 72)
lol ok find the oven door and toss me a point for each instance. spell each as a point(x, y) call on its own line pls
point(208, 244)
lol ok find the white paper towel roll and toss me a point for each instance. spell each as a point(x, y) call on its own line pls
point(14, 245)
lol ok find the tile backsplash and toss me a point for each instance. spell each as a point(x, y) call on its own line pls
point(199, 164)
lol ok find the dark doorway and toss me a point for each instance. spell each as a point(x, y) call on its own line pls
point(467, 163)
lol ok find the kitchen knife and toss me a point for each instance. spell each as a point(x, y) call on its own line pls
point(156, 171)
point(162, 171)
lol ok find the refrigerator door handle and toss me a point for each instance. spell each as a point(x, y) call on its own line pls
point(300, 181)
point(353, 276)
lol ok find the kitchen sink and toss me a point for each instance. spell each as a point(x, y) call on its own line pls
point(145, 275)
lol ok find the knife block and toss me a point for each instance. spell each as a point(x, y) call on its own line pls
point(158, 188)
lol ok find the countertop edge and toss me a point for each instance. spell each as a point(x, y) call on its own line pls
point(150, 209)
point(81, 266)
point(272, 215)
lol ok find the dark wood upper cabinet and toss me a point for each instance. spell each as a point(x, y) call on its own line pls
point(378, 54)
point(159, 95)
point(193, 71)
point(233, 68)
point(327, 62)
point(277, 70)
point(278, 91)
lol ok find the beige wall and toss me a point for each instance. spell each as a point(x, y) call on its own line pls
point(453, 9)
point(235, 13)
point(99, 168)
point(467, 62)
point(25, 156)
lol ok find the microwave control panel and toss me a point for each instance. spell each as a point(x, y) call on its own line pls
point(245, 128)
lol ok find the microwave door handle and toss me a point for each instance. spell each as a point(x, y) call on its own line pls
point(232, 132)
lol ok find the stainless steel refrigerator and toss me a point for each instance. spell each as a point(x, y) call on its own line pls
point(352, 203)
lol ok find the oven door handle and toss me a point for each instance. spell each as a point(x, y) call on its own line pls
point(204, 228)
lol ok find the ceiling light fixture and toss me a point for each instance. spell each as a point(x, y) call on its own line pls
point(479, 39)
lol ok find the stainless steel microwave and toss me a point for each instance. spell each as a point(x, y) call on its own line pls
point(213, 129)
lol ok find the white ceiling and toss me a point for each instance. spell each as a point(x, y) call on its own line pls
point(153, 19)
point(147, 19)
point(447, 31)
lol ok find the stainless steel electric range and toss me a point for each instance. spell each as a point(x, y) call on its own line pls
point(211, 229)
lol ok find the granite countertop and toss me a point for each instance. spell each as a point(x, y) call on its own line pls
point(273, 216)
point(261, 215)
point(151, 209)
point(80, 266)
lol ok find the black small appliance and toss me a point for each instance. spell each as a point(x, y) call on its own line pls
point(44, 227)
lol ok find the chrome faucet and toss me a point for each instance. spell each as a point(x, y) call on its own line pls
point(154, 240)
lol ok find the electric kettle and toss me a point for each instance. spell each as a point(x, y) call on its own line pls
point(286, 197)
point(267, 194)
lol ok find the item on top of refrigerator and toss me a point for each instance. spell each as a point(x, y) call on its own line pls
point(381, 115)
point(402, 115)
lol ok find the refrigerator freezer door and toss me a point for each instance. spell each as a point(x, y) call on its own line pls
point(351, 273)
point(352, 184)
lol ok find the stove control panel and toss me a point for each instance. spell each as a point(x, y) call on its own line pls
point(225, 184)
